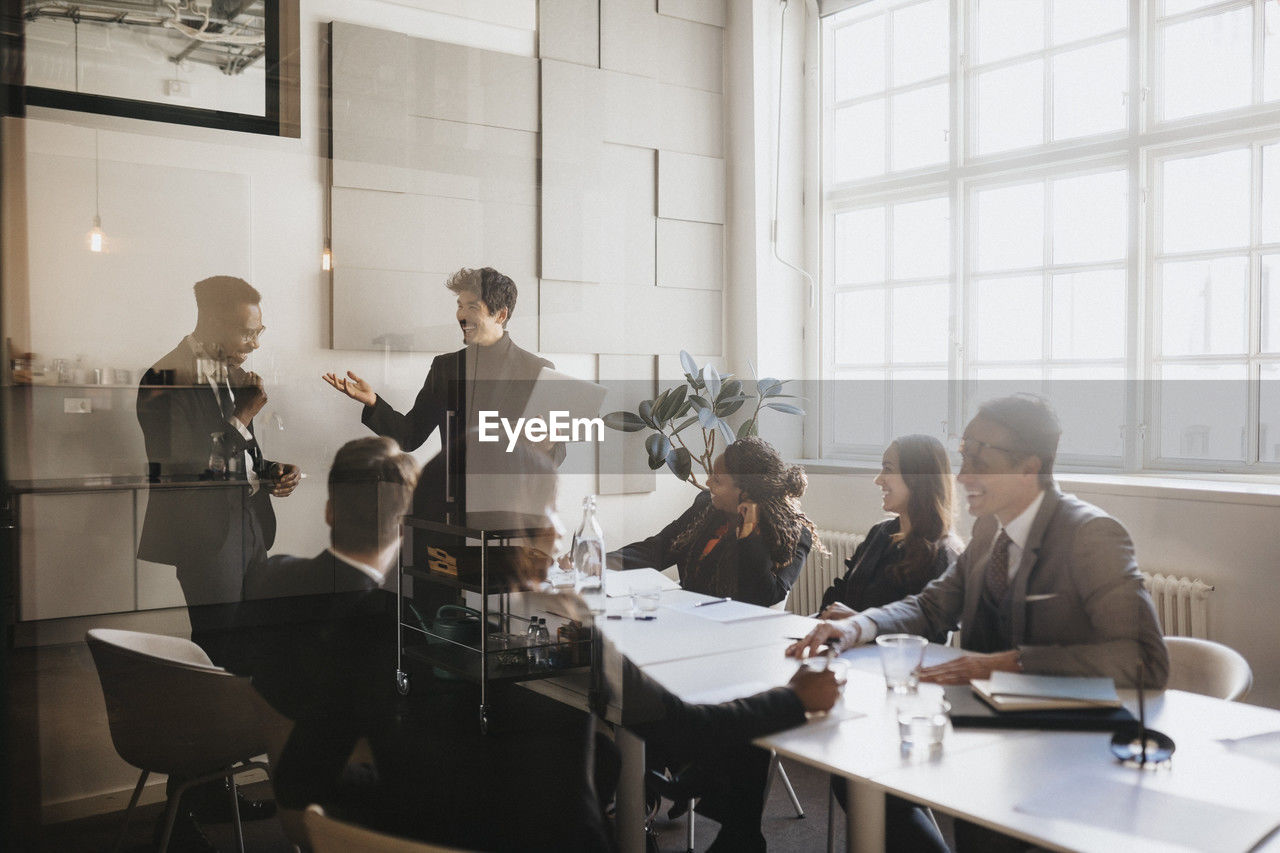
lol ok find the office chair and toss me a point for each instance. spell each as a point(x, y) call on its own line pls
point(1208, 668)
point(172, 711)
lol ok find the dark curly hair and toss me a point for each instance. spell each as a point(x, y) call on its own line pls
point(775, 486)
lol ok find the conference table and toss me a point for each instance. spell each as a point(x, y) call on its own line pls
point(1058, 790)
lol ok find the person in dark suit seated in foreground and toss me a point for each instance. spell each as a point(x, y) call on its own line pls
point(433, 776)
point(901, 554)
point(745, 537)
point(1049, 584)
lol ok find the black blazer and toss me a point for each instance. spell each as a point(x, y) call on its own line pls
point(525, 785)
point(739, 568)
point(446, 390)
point(179, 413)
point(874, 578)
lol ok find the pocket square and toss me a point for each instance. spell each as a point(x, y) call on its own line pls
point(1042, 597)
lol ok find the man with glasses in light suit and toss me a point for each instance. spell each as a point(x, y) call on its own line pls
point(1049, 584)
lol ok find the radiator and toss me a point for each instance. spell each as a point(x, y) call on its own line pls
point(1181, 603)
point(820, 570)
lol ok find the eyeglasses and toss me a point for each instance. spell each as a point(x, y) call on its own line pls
point(971, 453)
point(250, 336)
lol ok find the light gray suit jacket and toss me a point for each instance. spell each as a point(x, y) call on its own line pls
point(1079, 605)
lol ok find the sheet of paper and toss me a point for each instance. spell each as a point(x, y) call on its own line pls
point(1129, 808)
point(1264, 747)
point(728, 693)
point(619, 584)
point(732, 611)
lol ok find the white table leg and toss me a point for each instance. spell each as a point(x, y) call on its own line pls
point(864, 818)
point(629, 818)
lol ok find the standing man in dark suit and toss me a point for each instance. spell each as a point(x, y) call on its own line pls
point(489, 373)
point(209, 510)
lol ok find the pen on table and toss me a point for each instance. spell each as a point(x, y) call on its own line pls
point(713, 601)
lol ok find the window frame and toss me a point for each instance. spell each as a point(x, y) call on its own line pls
point(1138, 150)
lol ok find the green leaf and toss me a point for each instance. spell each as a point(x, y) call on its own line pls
point(725, 408)
point(729, 388)
point(765, 385)
point(707, 417)
point(785, 407)
point(658, 446)
point(686, 361)
point(748, 428)
point(695, 381)
point(680, 462)
point(711, 378)
point(699, 401)
point(726, 431)
point(683, 410)
point(684, 424)
point(646, 414)
point(624, 421)
point(669, 403)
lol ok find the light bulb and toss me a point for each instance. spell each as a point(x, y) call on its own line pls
point(96, 237)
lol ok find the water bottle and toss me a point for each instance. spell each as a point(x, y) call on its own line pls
point(542, 654)
point(588, 558)
point(531, 642)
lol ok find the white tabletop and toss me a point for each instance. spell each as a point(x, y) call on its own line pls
point(1063, 790)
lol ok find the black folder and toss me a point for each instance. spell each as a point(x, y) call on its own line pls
point(968, 711)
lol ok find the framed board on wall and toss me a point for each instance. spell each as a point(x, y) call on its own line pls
point(226, 64)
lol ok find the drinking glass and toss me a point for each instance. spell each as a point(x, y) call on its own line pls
point(901, 656)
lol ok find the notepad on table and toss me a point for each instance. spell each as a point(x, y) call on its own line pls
point(1015, 691)
point(619, 583)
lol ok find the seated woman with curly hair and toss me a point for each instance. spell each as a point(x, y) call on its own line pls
point(745, 537)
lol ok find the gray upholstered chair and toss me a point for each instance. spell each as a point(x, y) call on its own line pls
point(1203, 666)
point(172, 711)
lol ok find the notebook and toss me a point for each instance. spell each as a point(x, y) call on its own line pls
point(1014, 691)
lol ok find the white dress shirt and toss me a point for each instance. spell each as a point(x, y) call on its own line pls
point(1017, 530)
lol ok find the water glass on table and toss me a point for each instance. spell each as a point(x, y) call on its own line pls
point(901, 656)
point(837, 666)
point(922, 719)
point(644, 600)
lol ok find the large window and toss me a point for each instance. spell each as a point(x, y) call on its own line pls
point(1079, 198)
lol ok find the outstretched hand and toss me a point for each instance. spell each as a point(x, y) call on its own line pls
point(353, 386)
point(835, 635)
point(964, 669)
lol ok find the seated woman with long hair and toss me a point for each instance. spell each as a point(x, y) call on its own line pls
point(901, 554)
point(745, 537)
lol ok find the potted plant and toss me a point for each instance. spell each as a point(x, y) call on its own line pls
point(704, 401)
